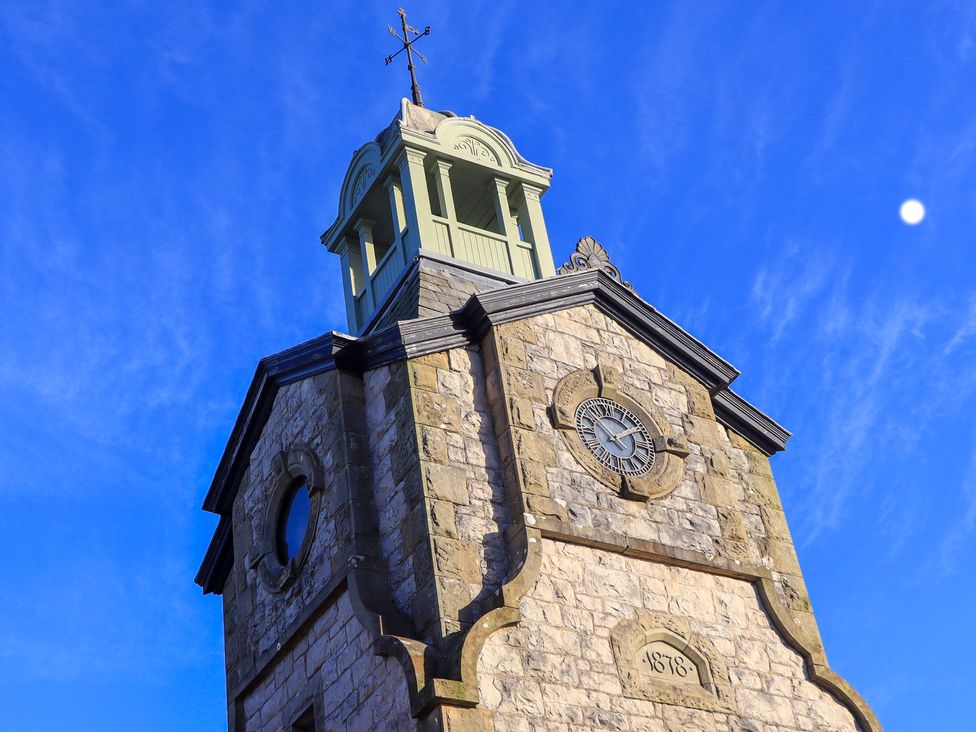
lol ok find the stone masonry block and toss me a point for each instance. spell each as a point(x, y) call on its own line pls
point(543, 506)
point(512, 351)
point(454, 596)
point(522, 330)
point(762, 491)
point(523, 414)
point(413, 530)
point(730, 522)
point(506, 448)
point(436, 410)
point(534, 478)
point(456, 719)
point(403, 457)
point(455, 558)
point(758, 464)
point(493, 386)
point(741, 443)
point(782, 555)
point(422, 376)
point(718, 464)
point(718, 491)
point(432, 445)
point(435, 360)
point(774, 521)
point(795, 593)
point(395, 387)
point(446, 483)
point(699, 400)
point(443, 521)
point(522, 383)
point(531, 444)
point(705, 432)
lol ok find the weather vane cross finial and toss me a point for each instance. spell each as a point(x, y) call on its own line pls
point(408, 42)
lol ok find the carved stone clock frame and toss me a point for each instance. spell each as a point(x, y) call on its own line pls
point(669, 450)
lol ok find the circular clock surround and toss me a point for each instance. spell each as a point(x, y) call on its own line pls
point(615, 436)
point(637, 453)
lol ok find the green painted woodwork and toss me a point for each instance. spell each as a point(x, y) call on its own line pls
point(433, 181)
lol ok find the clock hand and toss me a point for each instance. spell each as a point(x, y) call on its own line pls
point(610, 434)
point(631, 431)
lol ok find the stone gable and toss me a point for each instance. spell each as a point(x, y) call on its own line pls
point(487, 578)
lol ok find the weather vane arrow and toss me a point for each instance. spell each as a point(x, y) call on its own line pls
point(407, 40)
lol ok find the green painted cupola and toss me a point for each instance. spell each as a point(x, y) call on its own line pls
point(435, 205)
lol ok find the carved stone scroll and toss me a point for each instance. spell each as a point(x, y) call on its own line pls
point(363, 180)
point(590, 254)
point(476, 149)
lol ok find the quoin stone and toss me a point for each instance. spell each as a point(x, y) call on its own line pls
point(514, 498)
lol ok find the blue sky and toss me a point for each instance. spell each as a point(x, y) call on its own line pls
point(166, 169)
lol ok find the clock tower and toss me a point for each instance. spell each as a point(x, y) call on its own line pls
point(513, 497)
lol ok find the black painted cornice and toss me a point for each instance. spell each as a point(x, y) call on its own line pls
point(412, 338)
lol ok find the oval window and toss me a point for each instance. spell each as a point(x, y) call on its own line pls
point(293, 521)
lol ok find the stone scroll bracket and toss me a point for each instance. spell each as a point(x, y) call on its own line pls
point(807, 643)
point(440, 676)
point(368, 574)
point(444, 684)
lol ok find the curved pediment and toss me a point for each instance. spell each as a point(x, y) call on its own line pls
point(362, 171)
point(467, 137)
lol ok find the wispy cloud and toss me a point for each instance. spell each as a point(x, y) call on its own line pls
point(960, 532)
point(781, 293)
point(965, 331)
point(871, 343)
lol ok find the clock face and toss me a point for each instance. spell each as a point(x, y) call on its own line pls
point(615, 435)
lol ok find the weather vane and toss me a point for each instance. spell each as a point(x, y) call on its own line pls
point(408, 42)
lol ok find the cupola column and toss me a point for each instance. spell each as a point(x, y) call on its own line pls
point(506, 227)
point(367, 251)
point(534, 227)
point(395, 191)
point(416, 199)
point(355, 281)
point(445, 198)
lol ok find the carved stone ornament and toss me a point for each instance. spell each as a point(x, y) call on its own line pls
point(363, 180)
point(660, 659)
point(287, 467)
point(653, 477)
point(590, 254)
point(476, 149)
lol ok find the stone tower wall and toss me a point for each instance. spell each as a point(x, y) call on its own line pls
point(697, 555)
point(333, 669)
point(460, 537)
point(726, 506)
point(557, 670)
point(256, 618)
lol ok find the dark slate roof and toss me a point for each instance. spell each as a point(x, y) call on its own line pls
point(410, 338)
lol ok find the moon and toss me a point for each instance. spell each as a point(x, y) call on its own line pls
point(912, 211)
